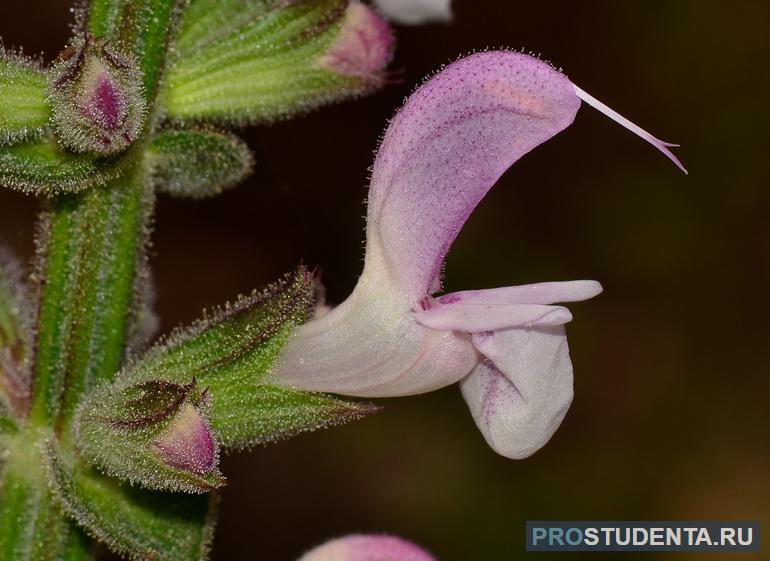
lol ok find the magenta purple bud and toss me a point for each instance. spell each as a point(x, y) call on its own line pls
point(96, 96)
point(187, 442)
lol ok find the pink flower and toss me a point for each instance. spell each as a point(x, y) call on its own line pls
point(362, 547)
point(443, 151)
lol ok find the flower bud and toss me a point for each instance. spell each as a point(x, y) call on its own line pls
point(362, 47)
point(96, 97)
point(241, 72)
point(187, 442)
point(153, 433)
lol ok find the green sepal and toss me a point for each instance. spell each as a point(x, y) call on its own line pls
point(41, 167)
point(257, 61)
point(133, 522)
point(197, 163)
point(15, 338)
point(225, 356)
point(24, 109)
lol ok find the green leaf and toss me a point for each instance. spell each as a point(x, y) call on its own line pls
point(41, 167)
point(223, 358)
point(257, 61)
point(24, 110)
point(131, 521)
point(15, 337)
point(197, 164)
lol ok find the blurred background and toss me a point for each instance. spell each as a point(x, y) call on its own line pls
point(671, 415)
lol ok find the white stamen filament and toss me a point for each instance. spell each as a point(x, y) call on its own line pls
point(636, 129)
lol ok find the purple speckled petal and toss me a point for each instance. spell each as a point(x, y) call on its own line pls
point(362, 547)
point(521, 393)
point(475, 318)
point(454, 137)
point(539, 293)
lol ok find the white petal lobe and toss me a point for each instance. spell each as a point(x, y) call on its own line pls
point(520, 395)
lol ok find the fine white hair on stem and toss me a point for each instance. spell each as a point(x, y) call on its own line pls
point(634, 128)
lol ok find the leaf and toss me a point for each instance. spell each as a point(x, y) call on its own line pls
point(131, 521)
point(24, 110)
point(197, 164)
point(15, 337)
point(40, 167)
point(257, 61)
point(214, 369)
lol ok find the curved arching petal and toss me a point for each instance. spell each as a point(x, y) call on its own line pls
point(520, 394)
point(363, 547)
point(454, 137)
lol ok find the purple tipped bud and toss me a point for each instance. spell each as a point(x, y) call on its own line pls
point(363, 47)
point(96, 95)
point(187, 443)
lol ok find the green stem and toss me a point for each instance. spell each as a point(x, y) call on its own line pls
point(91, 247)
point(93, 242)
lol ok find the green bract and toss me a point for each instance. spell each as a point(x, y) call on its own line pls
point(41, 167)
point(135, 522)
point(197, 164)
point(24, 111)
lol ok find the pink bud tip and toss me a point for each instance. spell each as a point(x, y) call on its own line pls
point(363, 47)
point(105, 106)
point(187, 442)
point(362, 547)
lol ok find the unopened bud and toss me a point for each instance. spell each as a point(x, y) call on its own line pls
point(187, 442)
point(96, 96)
point(363, 46)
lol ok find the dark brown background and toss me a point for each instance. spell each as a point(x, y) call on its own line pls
point(671, 414)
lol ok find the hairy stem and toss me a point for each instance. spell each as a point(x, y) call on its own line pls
point(91, 248)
